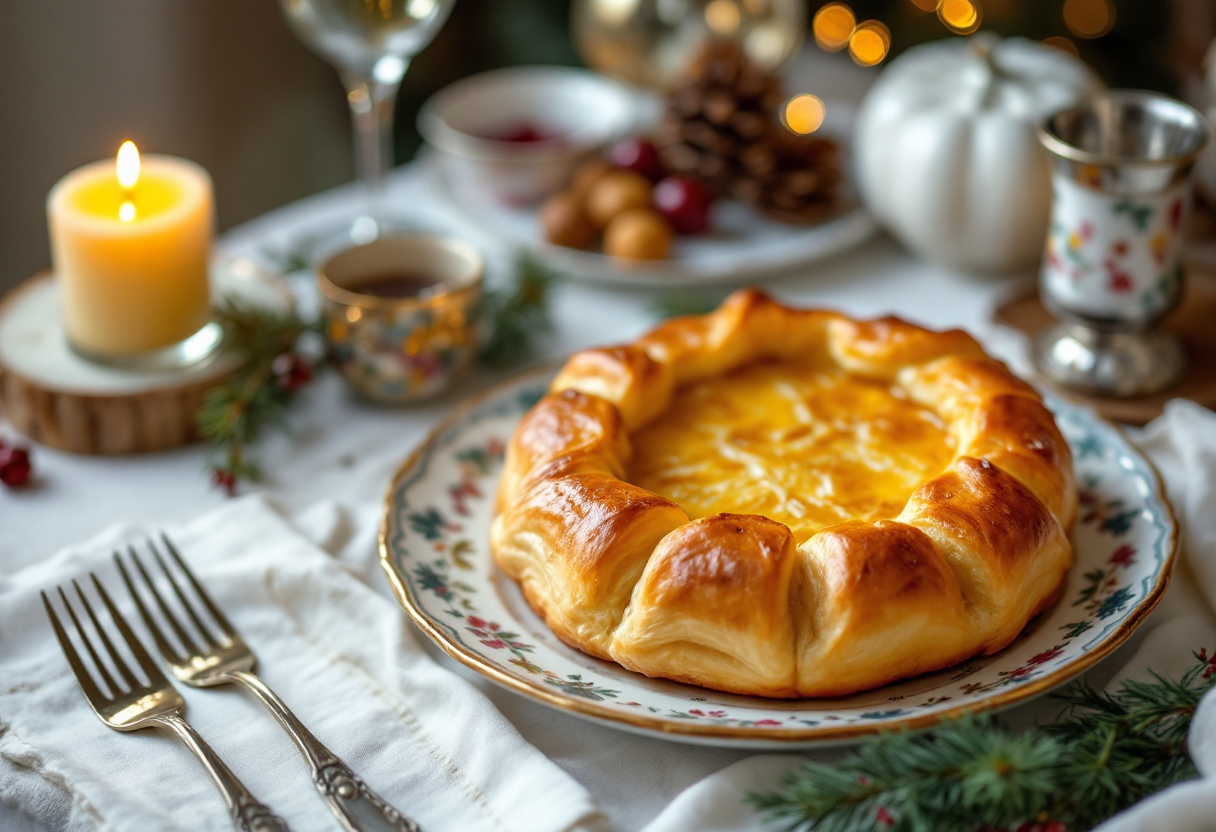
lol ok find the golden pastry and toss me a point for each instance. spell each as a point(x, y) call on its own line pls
point(787, 503)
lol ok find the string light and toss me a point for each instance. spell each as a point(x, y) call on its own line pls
point(870, 43)
point(960, 16)
point(833, 26)
point(804, 113)
point(1089, 18)
point(723, 16)
point(1061, 43)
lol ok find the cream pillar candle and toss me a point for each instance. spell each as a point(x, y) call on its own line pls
point(129, 244)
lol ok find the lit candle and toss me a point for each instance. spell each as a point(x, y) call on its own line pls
point(129, 244)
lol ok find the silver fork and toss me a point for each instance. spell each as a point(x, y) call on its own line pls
point(357, 807)
point(156, 704)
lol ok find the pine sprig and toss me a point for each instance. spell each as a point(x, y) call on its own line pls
point(237, 413)
point(516, 317)
point(677, 305)
point(277, 361)
point(1107, 752)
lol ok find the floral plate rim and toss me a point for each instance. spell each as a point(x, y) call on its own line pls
point(755, 736)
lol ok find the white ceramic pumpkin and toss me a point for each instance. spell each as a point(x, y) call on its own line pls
point(946, 152)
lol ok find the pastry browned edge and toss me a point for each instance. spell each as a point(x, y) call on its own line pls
point(730, 601)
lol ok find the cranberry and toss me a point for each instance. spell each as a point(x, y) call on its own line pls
point(684, 202)
point(637, 155)
point(224, 478)
point(525, 133)
point(15, 466)
point(292, 371)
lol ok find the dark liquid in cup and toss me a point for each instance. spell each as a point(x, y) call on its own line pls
point(397, 285)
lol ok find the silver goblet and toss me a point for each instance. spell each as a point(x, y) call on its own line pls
point(1121, 189)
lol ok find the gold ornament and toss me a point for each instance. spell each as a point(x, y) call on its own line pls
point(650, 42)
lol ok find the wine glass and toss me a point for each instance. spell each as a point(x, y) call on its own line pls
point(370, 42)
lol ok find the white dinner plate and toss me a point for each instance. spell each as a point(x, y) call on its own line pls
point(434, 546)
point(740, 247)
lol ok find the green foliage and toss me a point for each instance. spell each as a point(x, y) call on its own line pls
point(516, 317)
point(236, 413)
point(685, 303)
point(258, 396)
point(1107, 752)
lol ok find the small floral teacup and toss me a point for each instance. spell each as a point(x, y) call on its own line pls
point(401, 314)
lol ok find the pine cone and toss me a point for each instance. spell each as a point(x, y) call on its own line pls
point(788, 177)
point(721, 128)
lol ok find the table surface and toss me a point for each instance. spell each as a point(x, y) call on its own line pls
point(340, 448)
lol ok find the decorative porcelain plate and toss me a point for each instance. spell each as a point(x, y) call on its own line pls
point(740, 245)
point(434, 545)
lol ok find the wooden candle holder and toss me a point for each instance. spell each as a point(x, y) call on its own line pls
point(59, 399)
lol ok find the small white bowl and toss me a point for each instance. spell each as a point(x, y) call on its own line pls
point(584, 111)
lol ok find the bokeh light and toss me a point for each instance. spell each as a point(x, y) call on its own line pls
point(960, 16)
point(1089, 18)
point(804, 113)
point(723, 16)
point(870, 42)
point(833, 26)
point(1061, 43)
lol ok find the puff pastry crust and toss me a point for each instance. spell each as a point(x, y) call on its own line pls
point(787, 502)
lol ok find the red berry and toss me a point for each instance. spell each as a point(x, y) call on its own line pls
point(524, 133)
point(292, 371)
point(637, 155)
point(224, 478)
point(684, 202)
point(1055, 826)
point(15, 466)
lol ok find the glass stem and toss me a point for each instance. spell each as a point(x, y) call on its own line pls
point(371, 107)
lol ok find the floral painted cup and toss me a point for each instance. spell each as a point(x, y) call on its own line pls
point(401, 314)
point(1121, 189)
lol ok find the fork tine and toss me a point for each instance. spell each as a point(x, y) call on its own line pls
point(91, 691)
point(223, 623)
point(166, 649)
point(124, 671)
point(181, 597)
point(180, 631)
point(155, 677)
point(88, 644)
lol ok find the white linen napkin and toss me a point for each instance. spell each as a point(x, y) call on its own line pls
point(342, 657)
point(1182, 444)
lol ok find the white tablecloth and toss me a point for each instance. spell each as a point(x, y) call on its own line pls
point(346, 450)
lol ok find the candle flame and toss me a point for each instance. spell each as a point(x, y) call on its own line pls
point(126, 211)
point(128, 166)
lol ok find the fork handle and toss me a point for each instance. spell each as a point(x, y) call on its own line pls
point(356, 806)
point(248, 813)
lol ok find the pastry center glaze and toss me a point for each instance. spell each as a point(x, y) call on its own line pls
point(808, 446)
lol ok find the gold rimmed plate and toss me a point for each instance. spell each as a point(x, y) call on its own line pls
point(434, 546)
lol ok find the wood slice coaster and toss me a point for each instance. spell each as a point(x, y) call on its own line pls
point(1194, 322)
point(59, 399)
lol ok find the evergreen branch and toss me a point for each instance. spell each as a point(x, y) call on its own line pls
point(236, 413)
point(297, 255)
point(685, 303)
point(276, 364)
point(1107, 752)
point(515, 318)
